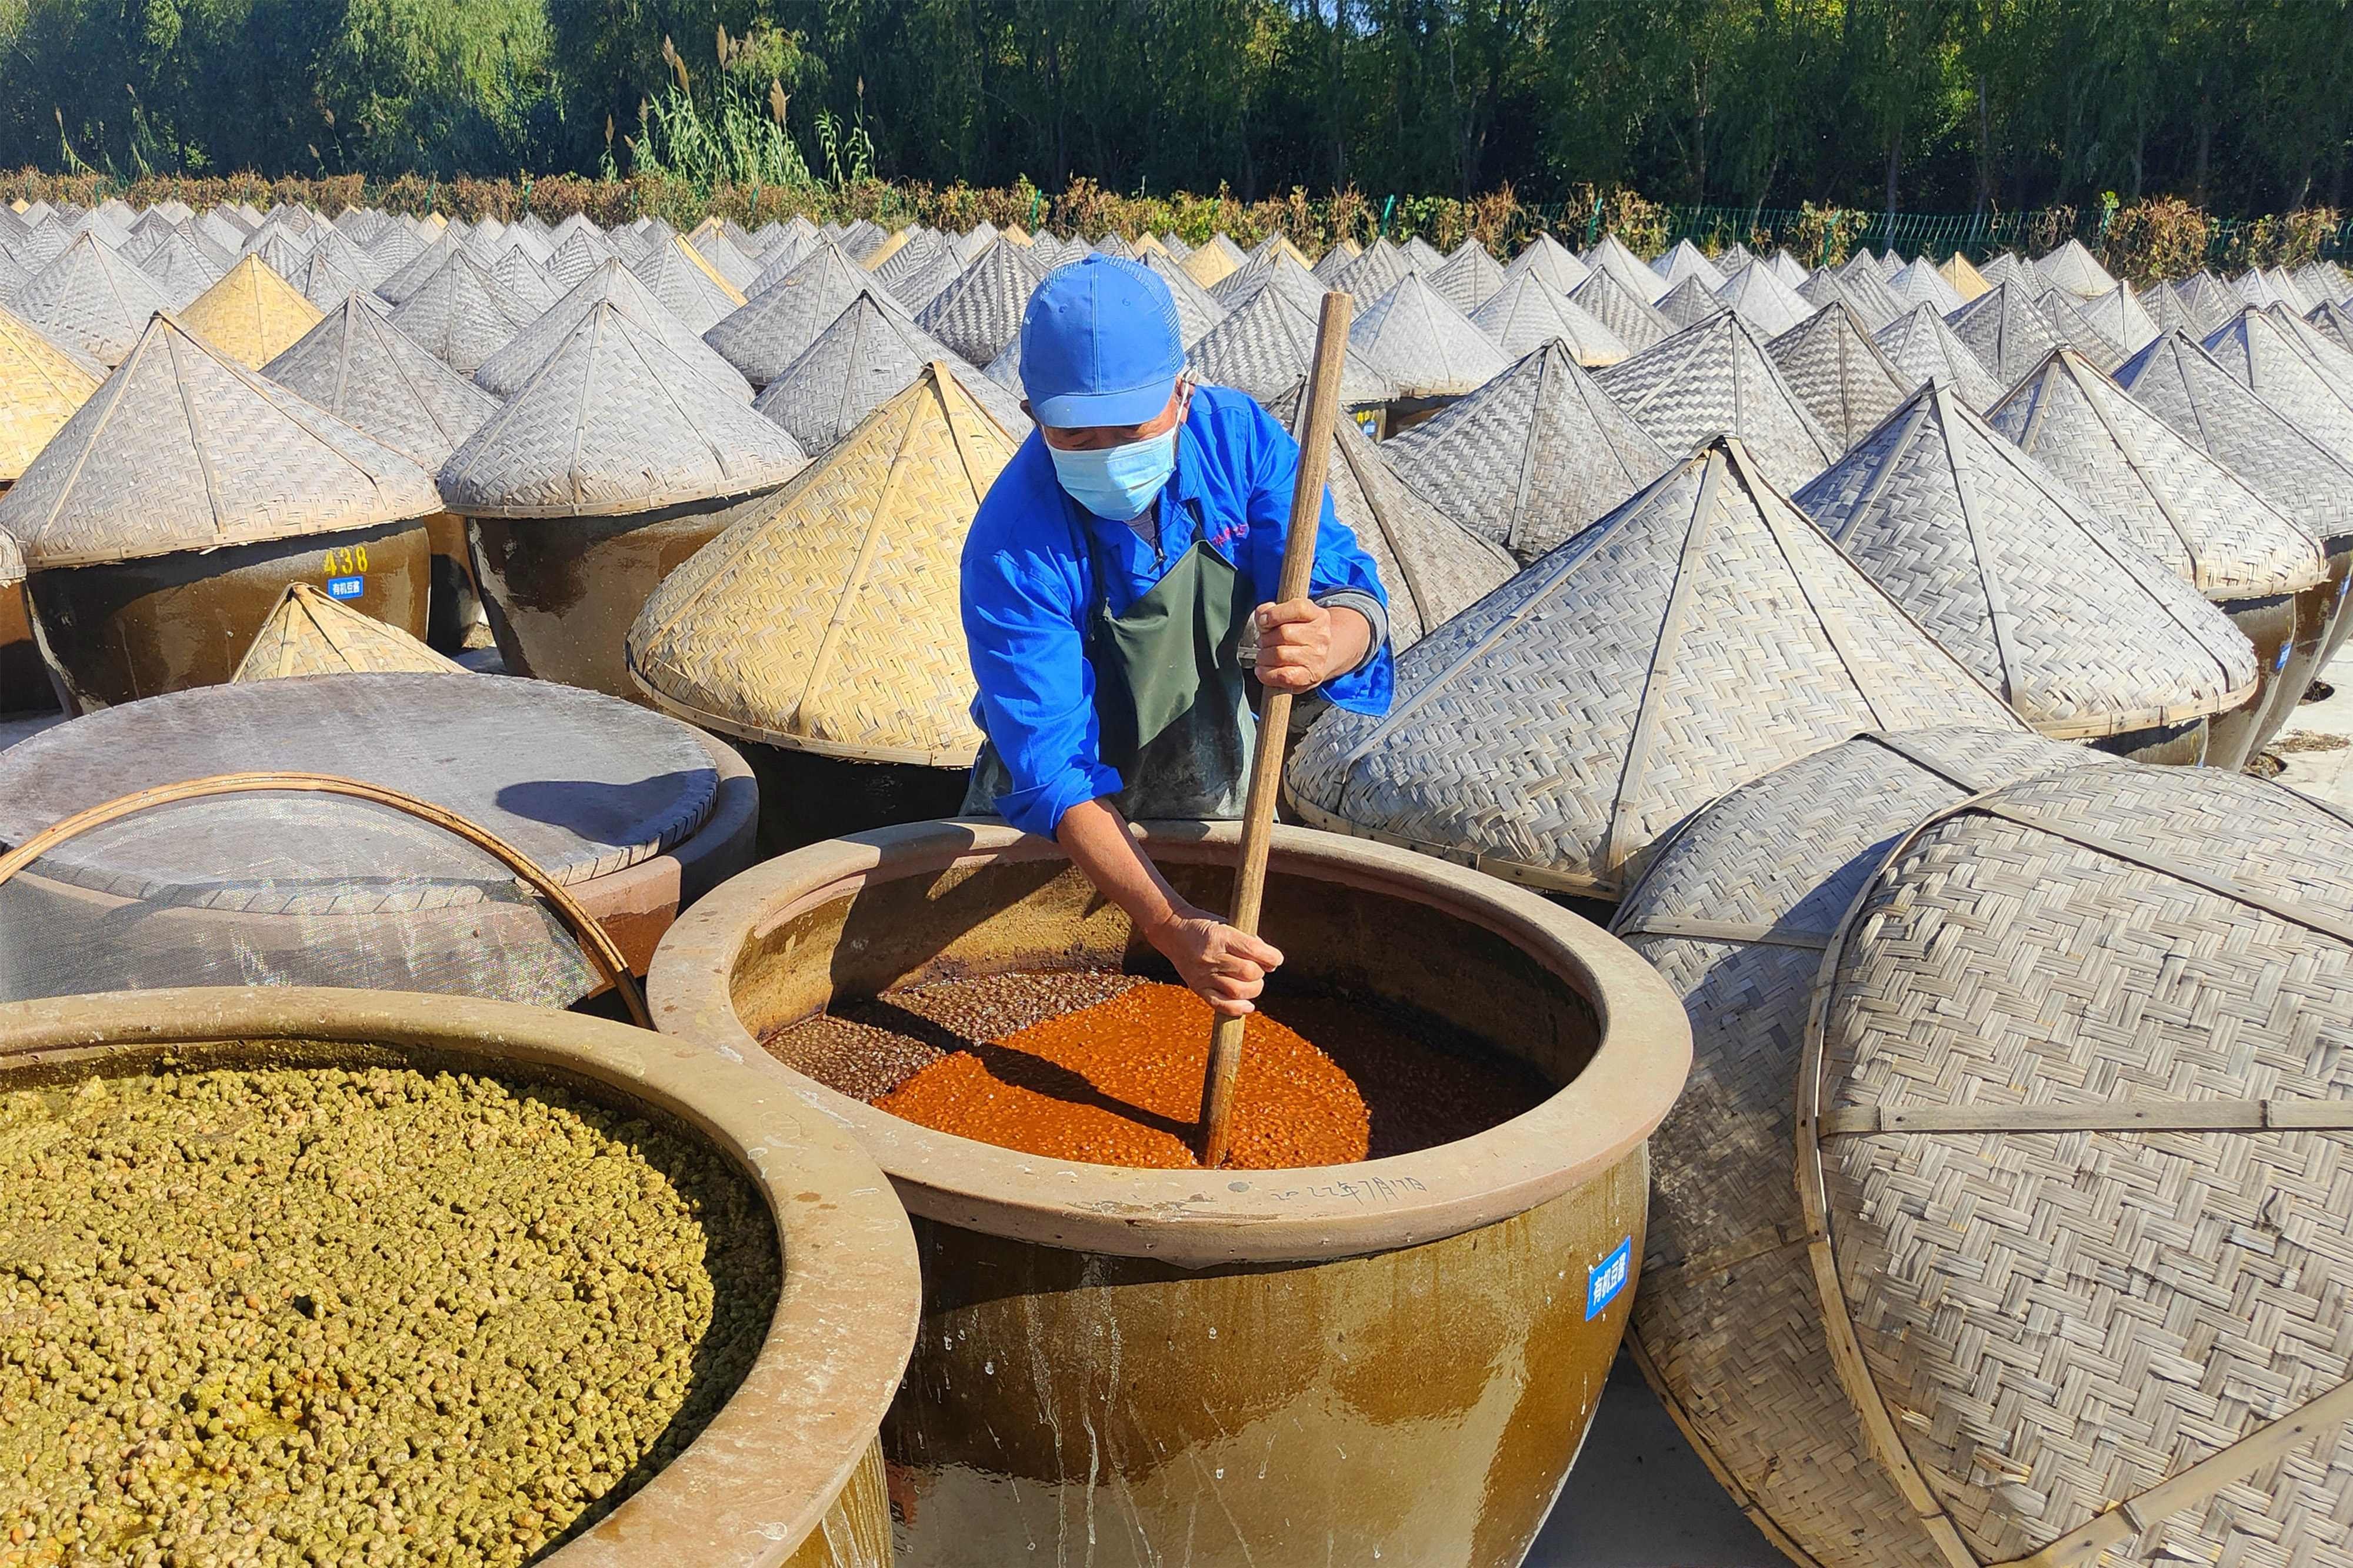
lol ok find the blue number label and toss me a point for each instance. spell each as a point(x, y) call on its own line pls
point(1606, 1278)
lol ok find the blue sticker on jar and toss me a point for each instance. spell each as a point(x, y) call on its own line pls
point(1606, 1278)
point(346, 587)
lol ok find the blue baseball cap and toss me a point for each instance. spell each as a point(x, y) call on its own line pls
point(1099, 345)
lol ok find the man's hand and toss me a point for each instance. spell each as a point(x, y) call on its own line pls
point(1302, 645)
point(1222, 966)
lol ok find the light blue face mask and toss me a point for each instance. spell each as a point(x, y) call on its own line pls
point(1118, 482)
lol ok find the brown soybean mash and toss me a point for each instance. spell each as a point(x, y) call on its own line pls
point(366, 1315)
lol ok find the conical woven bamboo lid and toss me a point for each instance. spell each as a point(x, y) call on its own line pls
point(1420, 255)
point(1839, 374)
point(1688, 303)
point(916, 289)
point(2208, 303)
point(410, 275)
point(1923, 349)
point(1426, 347)
point(1198, 310)
point(2063, 314)
point(2118, 317)
point(709, 244)
point(1684, 261)
point(1715, 378)
point(1432, 567)
point(1609, 255)
point(2256, 287)
point(578, 256)
point(869, 356)
point(912, 251)
point(2166, 311)
point(612, 424)
point(1468, 278)
point(40, 387)
point(1526, 313)
point(1734, 912)
point(980, 312)
point(1700, 635)
point(360, 368)
point(326, 284)
point(1209, 264)
point(1865, 295)
point(504, 373)
point(776, 327)
point(861, 239)
point(2084, 632)
point(184, 448)
point(686, 285)
point(1550, 263)
point(525, 288)
point(1530, 458)
point(1921, 284)
point(251, 314)
point(2268, 362)
point(2320, 350)
point(2203, 522)
point(1763, 300)
point(2335, 322)
point(311, 634)
point(91, 301)
point(1114, 246)
point(2182, 385)
point(832, 624)
point(1264, 348)
point(277, 251)
point(2004, 330)
point(1280, 273)
point(1967, 281)
point(179, 265)
point(461, 314)
point(1373, 273)
point(2071, 1125)
point(1634, 320)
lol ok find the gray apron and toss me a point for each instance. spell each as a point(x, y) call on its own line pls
point(1172, 702)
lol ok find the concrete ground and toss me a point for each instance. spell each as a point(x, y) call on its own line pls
point(1639, 1497)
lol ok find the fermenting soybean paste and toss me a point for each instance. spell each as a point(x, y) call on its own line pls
point(1107, 1069)
point(314, 1315)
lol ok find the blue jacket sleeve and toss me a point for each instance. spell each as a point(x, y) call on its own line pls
point(1340, 562)
point(1037, 699)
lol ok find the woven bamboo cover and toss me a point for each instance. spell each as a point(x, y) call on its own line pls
point(1838, 373)
point(915, 250)
point(326, 283)
point(2182, 385)
point(1700, 635)
point(861, 239)
point(1425, 346)
point(576, 259)
point(1734, 913)
point(1684, 261)
point(1550, 263)
point(1432, 567)
point(43, 243)
point(460, 315)
point(1967, 281)
point(1635, 320)
point(1688, 303)
point(2323, 282)
point(504, 373)
point(184, 448)
point(311, 634)
point(2335, 322)
point(2203, 522)
point(1525, 313)
point(831, 624)
point(614, 423)
point(1717, 377)
point(1264, 348)
point(1530, 458)
point(2005, 330)
point(1209, 264)
point(1763, 300)
point(1918, 283)
point(2208, 301)
point(2118, 317)
point(916, 289)
point(1373, 273)
point(2081, 630)
point(717, 252)
point(277, 251)
point(178, 266)
point(2321, 352)
point(2261, 357)
point(410, 275)
point(1467, 278)
point(1420, 254)
point(251, 314)
point(678, 278)
point(40, 387)
point(1787, 267)
point(772, 331)
point(1827, 287)
point(1112, 246)
point(1872, 300)
point(869, 356)
point(980, 312)
point(1281, 274)
point(1198, 310)
point(1609, 255)
point(1923, 349)
point(2070, 1134)
point(2063, 314)
point(2076, 271)
point(525, 287)
point(91, 301)
point(360, 368)
point(2255, 287)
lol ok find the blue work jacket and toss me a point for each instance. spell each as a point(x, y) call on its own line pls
point(1031, 590)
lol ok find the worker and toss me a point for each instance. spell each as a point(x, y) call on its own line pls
point(1109, 580)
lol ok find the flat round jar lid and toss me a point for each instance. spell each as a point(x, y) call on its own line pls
point(584, 784)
